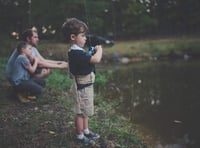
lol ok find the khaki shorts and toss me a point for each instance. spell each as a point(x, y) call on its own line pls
point(83, 100)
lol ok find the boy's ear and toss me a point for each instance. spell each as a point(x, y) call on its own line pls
point(72, 37)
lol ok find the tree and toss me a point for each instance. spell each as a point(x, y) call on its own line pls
point(117, 18)
point(13, 15)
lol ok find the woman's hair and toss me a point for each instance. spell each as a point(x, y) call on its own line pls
point(73, 26)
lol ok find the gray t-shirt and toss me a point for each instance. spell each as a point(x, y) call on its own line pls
point(20, 70)
point(12, 59)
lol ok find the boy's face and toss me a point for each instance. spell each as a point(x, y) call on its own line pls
point(28, 50)
point(80, 39)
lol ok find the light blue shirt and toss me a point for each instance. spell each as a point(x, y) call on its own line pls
point(12, 59)
point(20, 70)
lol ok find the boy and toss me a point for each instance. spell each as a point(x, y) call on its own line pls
point(81, 66)
point(26, 87)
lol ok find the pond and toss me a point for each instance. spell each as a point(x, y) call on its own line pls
point(162, 99)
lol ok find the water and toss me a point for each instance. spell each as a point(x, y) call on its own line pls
point(162, 99)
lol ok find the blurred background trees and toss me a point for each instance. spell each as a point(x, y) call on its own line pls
point(117, 19)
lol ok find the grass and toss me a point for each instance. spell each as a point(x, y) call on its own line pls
point(59, 79)
point(134, 48)
point(161, 47)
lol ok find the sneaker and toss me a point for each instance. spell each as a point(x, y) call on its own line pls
point(22, 98)
point(86, 141)
point(92, 135)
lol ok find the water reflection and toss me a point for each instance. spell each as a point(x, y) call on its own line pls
point(162, 98)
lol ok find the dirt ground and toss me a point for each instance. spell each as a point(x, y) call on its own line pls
point(36, 124)
point(44, 123)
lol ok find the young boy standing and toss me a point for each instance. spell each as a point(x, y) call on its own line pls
point(81, 66)
point(25, 86)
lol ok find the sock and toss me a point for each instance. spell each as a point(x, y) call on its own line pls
point(80, 136)
point(86, 131)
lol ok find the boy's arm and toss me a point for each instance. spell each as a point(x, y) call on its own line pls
point(33, 67)
point(96, 58)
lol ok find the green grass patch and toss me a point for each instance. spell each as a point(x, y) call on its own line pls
point(59, 79)
point(113, 126)
point(133, 48)
point(158, 47)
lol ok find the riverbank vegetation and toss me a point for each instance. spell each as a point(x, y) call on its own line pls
point(146, 49)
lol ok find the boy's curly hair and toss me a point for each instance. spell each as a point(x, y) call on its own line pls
point(73, 26)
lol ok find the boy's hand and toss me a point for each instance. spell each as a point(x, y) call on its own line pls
point(96, 58)
point(35, 59)
point(98, 47)
point(31, 58)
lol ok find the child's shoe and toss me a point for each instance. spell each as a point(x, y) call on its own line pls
point(31, 97)
point(86, 141)
point(92, 135)
point(22, 98)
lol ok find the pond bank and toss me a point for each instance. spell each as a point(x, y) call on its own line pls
point(48, 121)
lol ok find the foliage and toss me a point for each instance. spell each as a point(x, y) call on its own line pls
point(132, 48)
point(100, 80)
point(157, 47)
point(107, 122)
point(114, 18)
point(3, 62)
point(59, 80)
point(6, 47)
